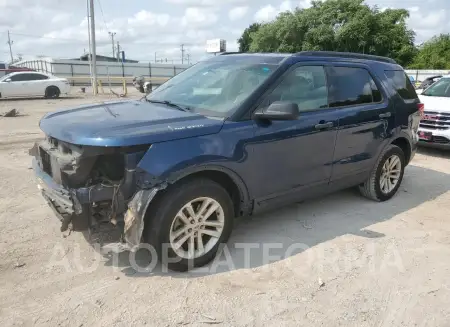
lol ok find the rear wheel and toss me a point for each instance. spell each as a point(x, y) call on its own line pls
point(387, 175)
point(52, 92)
point(191, 221)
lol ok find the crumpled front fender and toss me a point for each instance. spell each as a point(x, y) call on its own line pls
point(135, 215)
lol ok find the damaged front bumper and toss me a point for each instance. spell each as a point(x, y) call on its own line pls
point(72, 206)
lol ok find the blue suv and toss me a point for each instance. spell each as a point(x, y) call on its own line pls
point(231, 136)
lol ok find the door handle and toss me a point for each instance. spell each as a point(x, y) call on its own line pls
point(385, 115)
point(324, 125)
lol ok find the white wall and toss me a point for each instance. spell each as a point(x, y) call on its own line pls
point(66, 68)
point(420, 75)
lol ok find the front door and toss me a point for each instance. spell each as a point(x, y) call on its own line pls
point(289, 157)
point(15, 87)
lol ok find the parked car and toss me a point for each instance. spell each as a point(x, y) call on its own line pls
point(427, 83)
point(178, 166)
point(26, 84)
point(434, 130)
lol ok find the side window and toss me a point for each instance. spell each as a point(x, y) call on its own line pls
point(38, 77)
point(351, 86)
point(30, 77)
point(2, 66)
point(18, 78)
point(401, 82)
point(305, 85)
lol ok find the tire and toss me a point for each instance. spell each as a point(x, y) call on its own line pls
point(375, 188)
point(162, 223)
point(52, 92)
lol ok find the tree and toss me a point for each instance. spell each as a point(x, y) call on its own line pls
point(434, 54)
point(245, 40)
point(338, 25)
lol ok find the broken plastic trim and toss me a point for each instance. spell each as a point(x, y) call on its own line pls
point(134, 217)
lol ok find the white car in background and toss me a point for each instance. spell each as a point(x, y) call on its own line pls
point(434, 129)
point(31, 84)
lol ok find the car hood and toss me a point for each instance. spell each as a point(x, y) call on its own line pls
point(125, 123)
point(441, 104)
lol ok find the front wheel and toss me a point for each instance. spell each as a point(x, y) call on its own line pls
point(189, 223)
point(387, 175)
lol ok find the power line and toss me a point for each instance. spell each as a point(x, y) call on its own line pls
point(103, 16)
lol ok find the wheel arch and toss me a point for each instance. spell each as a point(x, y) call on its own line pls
point(403, 143)
point(145, 200)
point(52, 86)
point(228, 179)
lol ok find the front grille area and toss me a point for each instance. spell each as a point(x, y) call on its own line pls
point(440, 140)
point(435, 120)
point(45, 160)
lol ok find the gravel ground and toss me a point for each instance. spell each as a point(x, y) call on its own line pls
point(340, 260)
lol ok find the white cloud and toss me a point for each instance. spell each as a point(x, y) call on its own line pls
point(286, 6)
point(60, 18)
point(146, 18)
point(237, 13)
point(266, 13)
point(426, 25)
point(198, 17)
point(269, 12)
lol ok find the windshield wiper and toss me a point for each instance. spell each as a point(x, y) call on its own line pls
point(168, 103)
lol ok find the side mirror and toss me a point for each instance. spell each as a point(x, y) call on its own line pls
point(8, 80)
point(279, 110)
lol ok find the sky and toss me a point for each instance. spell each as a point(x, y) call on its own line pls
point(145, 28)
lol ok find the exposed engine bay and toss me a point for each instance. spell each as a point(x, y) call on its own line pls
point(89, 187)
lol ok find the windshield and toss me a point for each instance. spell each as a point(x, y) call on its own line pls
point(439, 89)
point(214, 88)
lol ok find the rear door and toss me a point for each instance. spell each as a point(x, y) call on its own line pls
point(36, 84)
point(366, 119)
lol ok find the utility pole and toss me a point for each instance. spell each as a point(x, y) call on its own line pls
point(112, 42)
point(118, 51)
point(10, 48)
point(182, 54)
point(188, 58)
point(155, 57)
point(93, 50)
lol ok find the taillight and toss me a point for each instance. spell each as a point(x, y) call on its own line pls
point(421, 108)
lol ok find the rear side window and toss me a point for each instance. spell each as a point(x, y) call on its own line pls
point(352, 86)
point(2, 66)
point(400, 81)
point(37, 77)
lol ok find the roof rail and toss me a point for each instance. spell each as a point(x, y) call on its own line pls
point(229, 53)
point(350, 55)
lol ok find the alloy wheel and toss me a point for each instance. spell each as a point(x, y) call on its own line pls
point(390, 174)
point(197, 227)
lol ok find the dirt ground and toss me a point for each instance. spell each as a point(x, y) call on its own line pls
point(340, 260)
